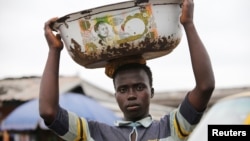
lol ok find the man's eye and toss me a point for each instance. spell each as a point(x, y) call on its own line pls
point(140, 87)
point(122, 90)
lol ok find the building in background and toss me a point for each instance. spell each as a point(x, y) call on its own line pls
point(15, 92)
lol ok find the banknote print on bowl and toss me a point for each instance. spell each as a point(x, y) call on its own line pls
point(95, 36)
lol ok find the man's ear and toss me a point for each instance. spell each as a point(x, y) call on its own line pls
point(152, 92)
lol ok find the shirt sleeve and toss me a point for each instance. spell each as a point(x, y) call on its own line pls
point(183, 120)
point(70, 127)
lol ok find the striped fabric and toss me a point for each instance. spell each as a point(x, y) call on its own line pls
point(175, 126)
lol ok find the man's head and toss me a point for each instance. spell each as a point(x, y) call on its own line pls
point(133, 90)
point(101, 29)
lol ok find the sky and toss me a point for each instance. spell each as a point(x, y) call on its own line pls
point(223, 25)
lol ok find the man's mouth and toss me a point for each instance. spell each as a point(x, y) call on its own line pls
point(132, 107)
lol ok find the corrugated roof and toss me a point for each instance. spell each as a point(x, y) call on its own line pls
point(26, 88)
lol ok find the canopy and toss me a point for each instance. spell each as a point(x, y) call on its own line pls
point(26, 116)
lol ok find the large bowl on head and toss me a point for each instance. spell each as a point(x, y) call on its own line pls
point(93, 37)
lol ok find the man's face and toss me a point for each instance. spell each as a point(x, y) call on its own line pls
point(133, 93)
point(103, 30)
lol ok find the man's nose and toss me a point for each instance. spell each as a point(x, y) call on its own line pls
point(131, 94)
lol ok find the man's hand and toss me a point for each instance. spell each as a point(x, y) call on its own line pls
point(187, 12)
point(54, 41)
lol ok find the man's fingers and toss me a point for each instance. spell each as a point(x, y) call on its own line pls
point(48, 25)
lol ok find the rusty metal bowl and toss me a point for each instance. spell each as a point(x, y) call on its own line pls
point(95, 36)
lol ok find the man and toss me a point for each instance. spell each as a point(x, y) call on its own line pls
point(133, 91)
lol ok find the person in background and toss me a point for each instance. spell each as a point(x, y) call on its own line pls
point(133, 91)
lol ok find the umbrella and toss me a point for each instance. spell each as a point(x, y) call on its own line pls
point(26, 116)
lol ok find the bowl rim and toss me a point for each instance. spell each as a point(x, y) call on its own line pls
point(129, 3)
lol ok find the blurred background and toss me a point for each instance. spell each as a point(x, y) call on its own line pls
point(222, 25)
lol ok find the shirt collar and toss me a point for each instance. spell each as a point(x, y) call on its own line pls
point(145, 122)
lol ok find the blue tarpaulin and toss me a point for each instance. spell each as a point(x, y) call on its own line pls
point(26, 116)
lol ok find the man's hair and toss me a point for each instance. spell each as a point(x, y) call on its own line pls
point(137, 66)
point(97, 25)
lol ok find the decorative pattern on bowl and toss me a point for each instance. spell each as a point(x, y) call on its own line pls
point(94, 37)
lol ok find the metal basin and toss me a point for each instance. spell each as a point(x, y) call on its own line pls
point(95, 36)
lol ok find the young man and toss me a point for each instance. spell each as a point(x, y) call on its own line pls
point(133, 91)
